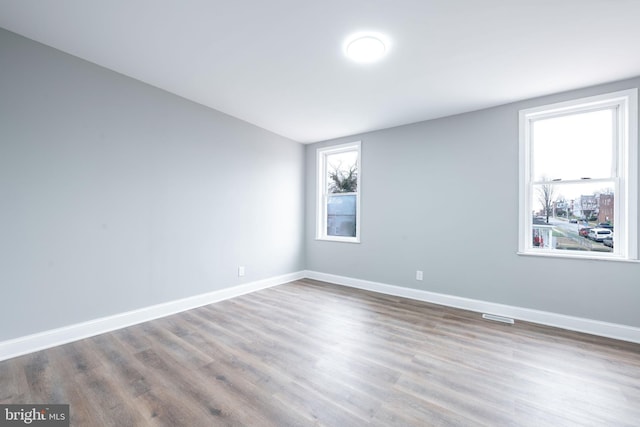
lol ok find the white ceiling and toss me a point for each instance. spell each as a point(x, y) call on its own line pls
point(279, 63)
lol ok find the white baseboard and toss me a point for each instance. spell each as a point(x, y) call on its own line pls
point(42, 340)
point(578, 324)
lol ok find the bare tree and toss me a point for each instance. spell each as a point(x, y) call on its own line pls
point(343, 180)
point(546, 193)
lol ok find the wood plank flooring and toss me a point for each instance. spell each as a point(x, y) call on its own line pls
point(310, 353)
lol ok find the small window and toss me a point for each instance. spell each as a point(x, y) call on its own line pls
point(338, 216)
point(578, 176)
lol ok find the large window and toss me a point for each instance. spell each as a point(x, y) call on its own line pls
point(338, 216)
point(578, 178)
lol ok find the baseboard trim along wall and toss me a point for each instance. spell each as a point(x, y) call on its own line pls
point(42, 340)
point(578, 324)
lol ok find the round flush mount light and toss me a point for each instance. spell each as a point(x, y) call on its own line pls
point(365, 47)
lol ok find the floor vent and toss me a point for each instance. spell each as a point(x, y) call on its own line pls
point(498, 318)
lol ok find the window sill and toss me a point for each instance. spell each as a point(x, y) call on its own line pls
point(339, 239)
point(579, 257)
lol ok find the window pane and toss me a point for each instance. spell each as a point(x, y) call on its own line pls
point(342, 172)
point(338, 193)
point(341, 215)
point(573, 147)
point(573, 217)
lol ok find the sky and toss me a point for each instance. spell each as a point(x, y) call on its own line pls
point(574, 147)
point(342, 160)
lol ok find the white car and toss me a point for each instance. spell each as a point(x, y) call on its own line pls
point(599, 234)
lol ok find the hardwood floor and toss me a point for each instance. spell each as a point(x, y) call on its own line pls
point(310, 353)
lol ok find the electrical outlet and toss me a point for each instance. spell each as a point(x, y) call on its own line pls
point(241, 271)
point(418, 274)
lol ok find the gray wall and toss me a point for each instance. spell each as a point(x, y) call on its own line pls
point(115, 195)
point(442, 196)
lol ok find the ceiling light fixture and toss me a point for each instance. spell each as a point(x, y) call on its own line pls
point(365, 47)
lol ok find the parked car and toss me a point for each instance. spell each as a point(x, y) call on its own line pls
point(599, 234)
point(584, 231)
point(608, 241)
point(605, 225)
point(573, 221)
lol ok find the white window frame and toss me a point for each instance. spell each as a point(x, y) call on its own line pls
point(625, 175)
point(322, 193)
